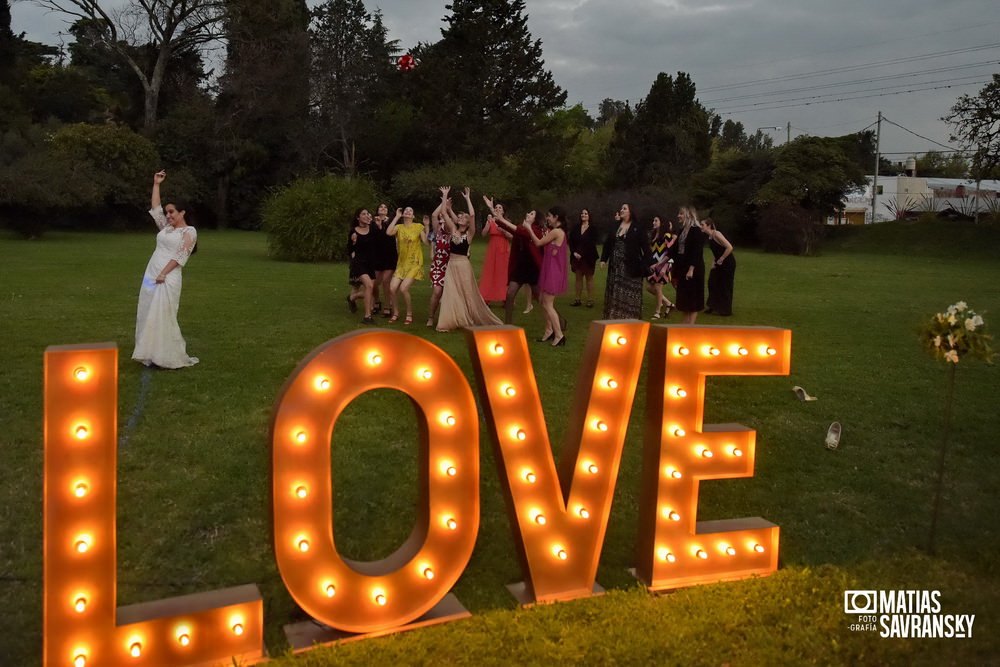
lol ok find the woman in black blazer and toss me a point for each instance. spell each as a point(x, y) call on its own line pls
point(627, 256)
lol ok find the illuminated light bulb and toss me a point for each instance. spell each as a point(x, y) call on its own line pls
point(600, 426)
point(678, 432)
point(301, 491)
point(592, 468)
point(770, 352)
point(681, 351)
point(672, 515)
point(714, 351)
point(518, 434)
point(135, 649)
point(559, 552)
point(666, 555)
point(302, 544)
point(447, 419)
point(237, 629)
point(428, 573)
point(451, 523)
point(498, 348)
point(621, 340)
point(80, 489)
point(538, 517)
point(80, 660)
point(680, 393)
point(80, 604)
point(82, 544)
point(81, 373)
point(330, 590)
point(759, 548)
point(374, 359)
point(529, 477)
point(735, 451)
point(300, 437)
point(509, 391)
point(700, 553)
point(705, 452)
point(728, 549)
point(743, 352)
point(448, 468)
point(183, 635)
point(379, 598)
point(81, 431)
point(583, 512)
point(674, 472)
point(426, 374)
point(611, 383)
point(322, 383)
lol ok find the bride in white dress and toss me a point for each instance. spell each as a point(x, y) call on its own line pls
point(158, 340)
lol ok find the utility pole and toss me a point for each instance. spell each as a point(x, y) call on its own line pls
point(878, 159)
point(788, 132)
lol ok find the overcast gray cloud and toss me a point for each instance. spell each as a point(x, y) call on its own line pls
point(754, 61)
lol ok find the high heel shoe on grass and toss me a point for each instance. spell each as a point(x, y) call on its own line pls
point(561, 342)
point(656, 316)
point(546, 337)
point(833, 436)
point(801, 394)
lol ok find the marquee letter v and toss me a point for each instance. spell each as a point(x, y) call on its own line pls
point(558, 519)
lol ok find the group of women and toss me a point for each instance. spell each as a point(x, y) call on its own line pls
point(539, 257)
point(386, 258)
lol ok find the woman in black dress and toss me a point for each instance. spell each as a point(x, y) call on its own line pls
point(361, 246)
point(583, 257)
point(386, 257)
point(723, 273)
point(689, 266)
point(626, 254)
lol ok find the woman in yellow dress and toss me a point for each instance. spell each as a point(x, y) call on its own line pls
point(410, 235)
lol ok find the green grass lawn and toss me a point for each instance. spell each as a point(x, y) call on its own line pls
point(193, 463)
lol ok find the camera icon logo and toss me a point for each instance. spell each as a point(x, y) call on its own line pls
point(860, 602)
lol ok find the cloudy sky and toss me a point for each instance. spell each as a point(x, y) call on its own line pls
point(824, 67)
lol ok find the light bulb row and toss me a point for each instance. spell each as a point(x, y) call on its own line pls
point(182, 635)
point(324, 383)
point(735, 350)
point(725, 549)
point(538, 517)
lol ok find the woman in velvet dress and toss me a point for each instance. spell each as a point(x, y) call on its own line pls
point(723, 274)
point(583, 258)
point(525, 257)
point(553, 277)
point(689, 266)
point(627, 256)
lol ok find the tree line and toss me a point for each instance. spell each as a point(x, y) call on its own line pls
point(237, 99)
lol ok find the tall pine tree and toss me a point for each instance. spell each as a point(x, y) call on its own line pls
point(263, 104)
point(667, 140)
point(484, 85)
point(351, 67)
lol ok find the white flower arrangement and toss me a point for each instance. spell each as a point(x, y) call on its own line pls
point(957, 333)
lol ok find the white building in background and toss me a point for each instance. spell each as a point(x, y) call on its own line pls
point(907, 197)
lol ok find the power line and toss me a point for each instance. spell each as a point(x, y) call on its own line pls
point(853, 68)
point(919, 135)
point(763, 107)
point(888, 77)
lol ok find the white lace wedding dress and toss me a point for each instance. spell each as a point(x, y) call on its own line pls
point(158, 339)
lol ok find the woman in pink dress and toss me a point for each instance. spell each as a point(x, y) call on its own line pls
point(493, 280)
point(555, 267)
